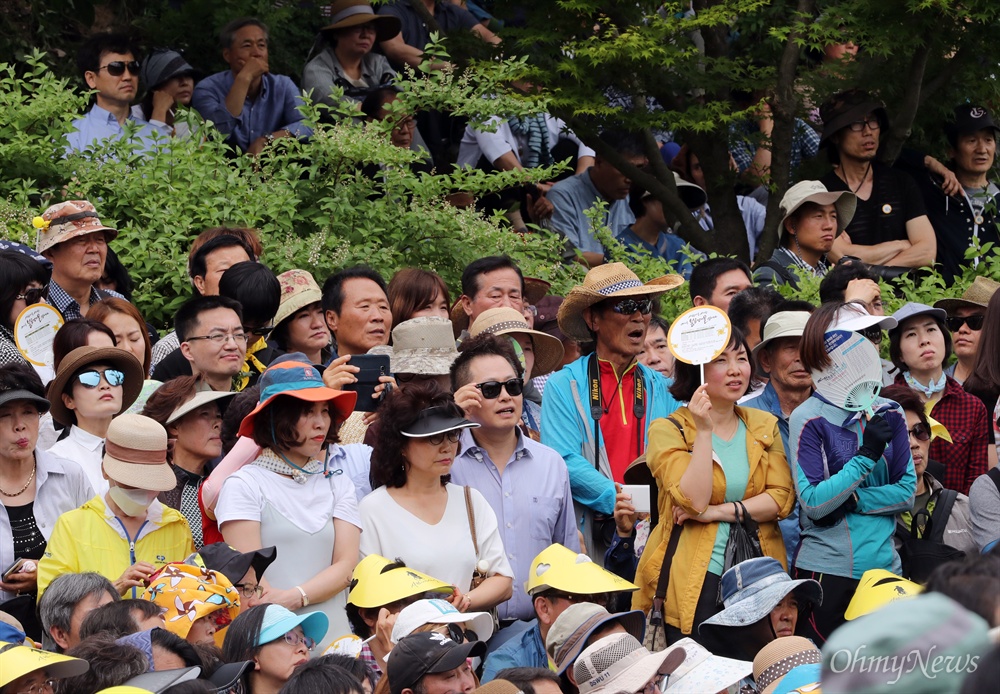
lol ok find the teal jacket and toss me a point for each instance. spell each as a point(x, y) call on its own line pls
point(568, 428)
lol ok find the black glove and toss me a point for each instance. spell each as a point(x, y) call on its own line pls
point(834, 516)
point(877, 435)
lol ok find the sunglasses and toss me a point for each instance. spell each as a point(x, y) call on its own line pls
point(874, 333)
point(919, 432)
point(258, 332)
point(955, 323)
point(458, 634)
point(491, 389)
point(31, 295)
point(629, 306)
point(92, 379)
point(116, 68)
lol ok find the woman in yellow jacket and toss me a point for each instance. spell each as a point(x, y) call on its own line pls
point(704, 457)
point(126, 535)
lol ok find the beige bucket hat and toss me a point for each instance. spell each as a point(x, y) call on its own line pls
point(422, 346)
point(68, 220)
point(814, 191)
point(136, 454)
point(298, 290)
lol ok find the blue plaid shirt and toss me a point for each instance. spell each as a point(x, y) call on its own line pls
point(745, 137)
point(68, 306)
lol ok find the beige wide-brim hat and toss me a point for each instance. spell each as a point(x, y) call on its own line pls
point(611, 281)
point(508, 321)
point(778, 658)
point(978, 295)
point(781, 324)
point(135, 454)
point(534, 290)
point(423, 346)
point(345, 14)
point(298, 290)
point(202, 396)
point(85, 356)
point(802, 192)
point(67, 220)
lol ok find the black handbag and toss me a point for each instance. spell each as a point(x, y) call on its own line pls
point(744, 541)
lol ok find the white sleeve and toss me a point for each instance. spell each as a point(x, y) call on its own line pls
point(495, 145)
point(370, 512)
point(240, 499)
point(345, 500)
point(488, 534)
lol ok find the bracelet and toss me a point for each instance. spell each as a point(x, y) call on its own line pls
point(305, 598)
point(269, 138)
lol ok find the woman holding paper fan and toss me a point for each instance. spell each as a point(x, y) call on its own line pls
point(705, 457)
point(854, 473)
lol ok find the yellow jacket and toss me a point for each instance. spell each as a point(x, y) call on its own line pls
point(90, 538)
point(668, 455)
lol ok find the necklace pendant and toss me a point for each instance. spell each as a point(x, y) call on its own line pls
point(299, 477)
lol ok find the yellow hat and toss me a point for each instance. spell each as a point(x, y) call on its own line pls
point(17, 661)
point(374, 585)
point(877, 589)
point(188, 593)
point(561, 568)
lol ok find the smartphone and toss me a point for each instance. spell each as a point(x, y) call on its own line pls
point(640, 496)
point(12, 569)
point(372, 367)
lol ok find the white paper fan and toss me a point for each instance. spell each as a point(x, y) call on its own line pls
point(854, 377)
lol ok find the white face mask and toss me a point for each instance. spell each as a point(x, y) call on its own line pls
point(132, 502)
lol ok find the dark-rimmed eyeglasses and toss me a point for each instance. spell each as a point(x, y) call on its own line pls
point(491, 389)
point(437, 439)
point(220, 338)
point(859, 125)
point(919, 432)
point(955, 323)
point(116, 68)
point(92, 379)
point(627, 307)
point(249, 590)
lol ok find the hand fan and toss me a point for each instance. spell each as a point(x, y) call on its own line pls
point(854, 377)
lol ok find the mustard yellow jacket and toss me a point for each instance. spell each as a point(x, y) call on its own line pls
point(668, 455)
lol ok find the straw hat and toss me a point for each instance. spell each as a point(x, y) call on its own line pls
point(345, 14)
point(293, 375)
point(135, 454)
point(202, 396)
point(373, 586)
point(85, 356)
point(66, 221)
point(778, 658)
point(978, 295)
point(610, 281)
point(814, 191)
point(422, 346)
point(298, 290)
point(509, 321)
point(534, 290)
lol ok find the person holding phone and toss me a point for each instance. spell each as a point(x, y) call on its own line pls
point(294, 495)
point(36, 487)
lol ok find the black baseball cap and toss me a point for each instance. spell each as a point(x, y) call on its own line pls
point(426, 653)
point(234, 564)
point(969, 118)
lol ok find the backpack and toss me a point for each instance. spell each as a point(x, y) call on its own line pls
point(921, 555)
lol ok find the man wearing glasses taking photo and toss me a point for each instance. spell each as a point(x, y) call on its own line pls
point(109, 64)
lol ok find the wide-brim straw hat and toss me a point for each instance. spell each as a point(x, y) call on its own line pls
point(508, 321)
point(610, 281)
point(85, 356)
point(423, 345)
point(298, 290)
point(534, 291)
point(68, 220)
point(345, 14)
point(293, 375)
point(978, 295)
point(781, 656)
point(135, 454)
point(802, 192)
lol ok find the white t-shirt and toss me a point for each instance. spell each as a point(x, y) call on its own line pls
point(444, 550)
point(309, 506)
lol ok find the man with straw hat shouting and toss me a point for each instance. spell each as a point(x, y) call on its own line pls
point(598, 409)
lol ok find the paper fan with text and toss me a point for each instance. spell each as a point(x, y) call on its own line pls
point(854, 377)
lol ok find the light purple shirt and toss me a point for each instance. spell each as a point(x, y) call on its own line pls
point(532, 502)
point(100, 124)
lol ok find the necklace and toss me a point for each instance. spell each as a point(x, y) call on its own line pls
point(21, 491)
point(863, 178)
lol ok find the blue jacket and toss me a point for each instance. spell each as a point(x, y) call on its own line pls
point(823, 450)
point(768, 402)
point(568, 428)
point(523, 650)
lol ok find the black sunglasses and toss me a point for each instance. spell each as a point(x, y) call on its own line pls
point(491, 389)
point(919, 432)
point(955, 323)
point(258, 332)
point(116, 68)
point(874, 333)
point(460, 635)
point(627, 307)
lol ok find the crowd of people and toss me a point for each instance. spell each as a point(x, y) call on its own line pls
point(350, 485)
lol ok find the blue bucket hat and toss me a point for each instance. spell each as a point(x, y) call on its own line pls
point(293, 375)
point(278, 621)
point(751, 589)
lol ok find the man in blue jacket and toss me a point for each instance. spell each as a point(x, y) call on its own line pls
point(597, 409)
